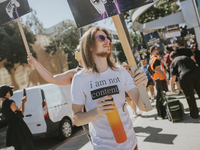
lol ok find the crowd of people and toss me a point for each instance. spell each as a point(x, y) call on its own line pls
point(180, 65)
point(100, 85)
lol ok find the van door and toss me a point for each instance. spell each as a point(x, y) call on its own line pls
point(33, 114)
point(53, 97)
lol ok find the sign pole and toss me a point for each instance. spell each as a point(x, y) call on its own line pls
point(23, 36)
point(145, 105)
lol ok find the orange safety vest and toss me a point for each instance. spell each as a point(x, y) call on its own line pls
point(156, 74)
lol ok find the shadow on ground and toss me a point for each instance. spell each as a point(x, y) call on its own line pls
point(51, 142)
point(155, 136)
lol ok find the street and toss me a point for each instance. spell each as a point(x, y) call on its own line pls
point(40, 144)
point(152, 132)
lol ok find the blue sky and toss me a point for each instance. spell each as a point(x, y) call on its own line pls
point(51, 12)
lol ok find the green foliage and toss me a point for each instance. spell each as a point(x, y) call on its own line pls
point(121, 55)
point(34, 23)
point(12, 49)
point(161, 9)
point(67, 41)
point(135, 39)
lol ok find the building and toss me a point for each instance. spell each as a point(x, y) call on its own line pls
point(24, 76)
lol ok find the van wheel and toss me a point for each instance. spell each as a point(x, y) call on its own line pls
point(65, 129)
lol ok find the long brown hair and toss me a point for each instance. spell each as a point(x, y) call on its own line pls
point(87, 42)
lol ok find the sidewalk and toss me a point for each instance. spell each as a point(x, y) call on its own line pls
point(153, 133)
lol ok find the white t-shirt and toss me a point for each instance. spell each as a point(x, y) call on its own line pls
point(87, 88)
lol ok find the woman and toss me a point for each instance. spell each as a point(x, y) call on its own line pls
point(18, 133)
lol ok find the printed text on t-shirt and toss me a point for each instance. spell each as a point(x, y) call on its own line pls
point(110, 90)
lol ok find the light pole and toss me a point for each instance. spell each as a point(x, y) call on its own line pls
point(61, 34)
point(58, 55)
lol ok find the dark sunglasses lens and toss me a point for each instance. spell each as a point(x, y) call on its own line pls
point(101, 38)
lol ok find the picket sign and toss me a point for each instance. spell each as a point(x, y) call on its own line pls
point(143, 104)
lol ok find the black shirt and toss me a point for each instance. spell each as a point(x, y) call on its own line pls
point(156, 63)
point(184, 52)
point(197, 57)
point(182, 66)
point(18, 133)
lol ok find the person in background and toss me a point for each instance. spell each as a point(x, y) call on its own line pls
point(182, 51)
point(189, 74)
point(157, 66)
point(128, 99)
point(196, 53)
point(60, 79)
point(168, 63)
point(150, 82)
point(103, 81)
point(18, 134)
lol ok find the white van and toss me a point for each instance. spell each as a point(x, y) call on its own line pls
point(48, 110)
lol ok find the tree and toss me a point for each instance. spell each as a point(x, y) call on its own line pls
point(159, 10)
point(34, 23)
point(121, 55)
point(135, 39)
point(68, 41)
point(12, 49)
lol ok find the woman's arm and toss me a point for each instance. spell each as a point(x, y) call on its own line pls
point(60, 79)
point(14, 107)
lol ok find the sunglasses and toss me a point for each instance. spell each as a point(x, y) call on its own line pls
point(103, 38)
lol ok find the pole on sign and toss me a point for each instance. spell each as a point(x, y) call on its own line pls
point(23, 36)
point(145, 104)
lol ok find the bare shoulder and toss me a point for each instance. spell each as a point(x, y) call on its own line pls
point(13, 106)
point(70, 72)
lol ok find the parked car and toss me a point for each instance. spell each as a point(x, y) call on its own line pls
point(48, 110)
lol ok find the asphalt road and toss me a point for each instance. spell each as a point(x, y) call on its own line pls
point(41, 144)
